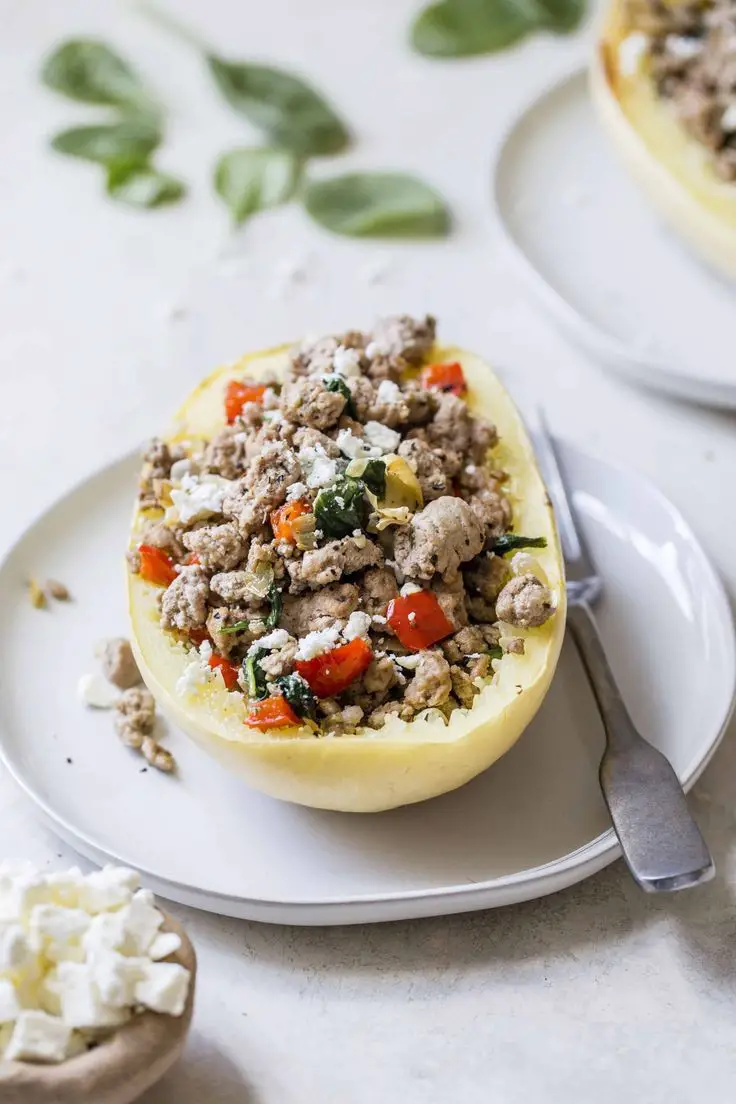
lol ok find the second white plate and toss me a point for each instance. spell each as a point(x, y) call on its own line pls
point(532, 824)
point(596, 257)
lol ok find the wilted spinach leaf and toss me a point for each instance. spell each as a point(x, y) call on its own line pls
point(374, 477)
point(129, 142)
point(143, 186)
point(298, 694)
point(338, 385)
point(509, 542)
point(463, 28)
point(341, 508)
point(276, 604)
point(255, 679)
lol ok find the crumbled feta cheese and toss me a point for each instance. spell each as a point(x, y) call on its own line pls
point(381, 437)
point(199, 498)
point(319, 469)
point(631, 53)
point(142, 922)
point(407, 661)
point(64, 886)
point(56, 932)
point(409, 588)
point(106, 932)
point(9, 1006)
point(167, 943)
point(273, 416)
point(388, 392)
point(115, 976)
point(107, 889)
point(358, 624)
point(38, 1037)
point(317, 643)
point(357, 448)
point(295, 491)
point(376, 349)
point(271, 641)
point(14, 949)
point(81, 1003)
point(197, 672)
point(346, 362)
point(270, 399)
point(179, 469)
point(96, 692)
point(683, 47)
point(19, 893)
point(378, 620)
point(163, 988)
point(728, 119)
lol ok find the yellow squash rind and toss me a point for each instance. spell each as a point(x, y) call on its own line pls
point(402, 762)
point(671, 167)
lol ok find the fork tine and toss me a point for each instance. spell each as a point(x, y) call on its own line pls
point(572, 545)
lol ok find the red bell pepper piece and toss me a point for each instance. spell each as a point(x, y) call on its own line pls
point(418, 620)
point(156, 565)
point(198, 636)
point(330, 673)
point(272, 712)
point(229, 671)
point(237, 394)
point(444, 377)
point(282, 519)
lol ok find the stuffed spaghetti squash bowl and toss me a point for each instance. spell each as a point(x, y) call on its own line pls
point(344, 582)
point(663, 81)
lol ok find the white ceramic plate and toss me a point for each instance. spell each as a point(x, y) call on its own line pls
point(593, 252)
point(532, 824)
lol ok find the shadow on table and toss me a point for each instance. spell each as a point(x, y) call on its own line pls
point(607, 910)
point(204, 1074)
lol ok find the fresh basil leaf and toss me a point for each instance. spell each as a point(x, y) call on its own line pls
point(130, 142)
point(509, 542)
point(250, 180)
point(291, 113)
point(379, 205)
point(464, 28)
point(255, 678)
point(276, 604)
point(142, 186)
point(338, 385)
point(87, 70)
point(298, 694)
point(341, 508)
point(374, 477)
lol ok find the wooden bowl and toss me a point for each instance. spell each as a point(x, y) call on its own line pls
point(121, 1067)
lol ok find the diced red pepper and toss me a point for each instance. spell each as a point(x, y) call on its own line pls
point(198, 636)
point(157, 566)
point(444, 377)
point(418, 620)
point(272, 712)
point(237, 394)
point(282, 520)
point(333, 671)
point(229, 671)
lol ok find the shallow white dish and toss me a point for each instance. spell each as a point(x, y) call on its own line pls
point(533, 824)
point(593, 252)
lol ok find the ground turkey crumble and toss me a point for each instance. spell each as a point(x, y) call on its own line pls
point(692, 50)
point(352, 513)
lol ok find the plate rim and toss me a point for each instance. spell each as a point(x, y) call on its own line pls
point(554, 875)
point(609, 351)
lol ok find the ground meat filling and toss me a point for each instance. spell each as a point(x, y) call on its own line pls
point(692, 49)
point(331, 549)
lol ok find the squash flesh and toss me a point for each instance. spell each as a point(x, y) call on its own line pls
point(403, 762)
point(671, 167)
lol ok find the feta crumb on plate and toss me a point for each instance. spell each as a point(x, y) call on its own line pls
point(95, 691)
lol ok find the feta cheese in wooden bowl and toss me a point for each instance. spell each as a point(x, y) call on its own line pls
point(96, 986)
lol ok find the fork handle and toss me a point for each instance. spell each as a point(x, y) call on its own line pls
point(660, 841)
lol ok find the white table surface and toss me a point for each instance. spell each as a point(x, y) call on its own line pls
point(596, 993)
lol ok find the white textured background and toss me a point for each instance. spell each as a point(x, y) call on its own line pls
point(106, 316)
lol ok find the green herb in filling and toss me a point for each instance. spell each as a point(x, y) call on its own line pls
point(509, 542)
point(298, 695)
point(341, 508)
point(496, 652)
point(276, 603)
point(338, 385)
point(374, 477)
point(254, 675)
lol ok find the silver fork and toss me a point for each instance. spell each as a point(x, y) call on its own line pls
point(660, 841)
